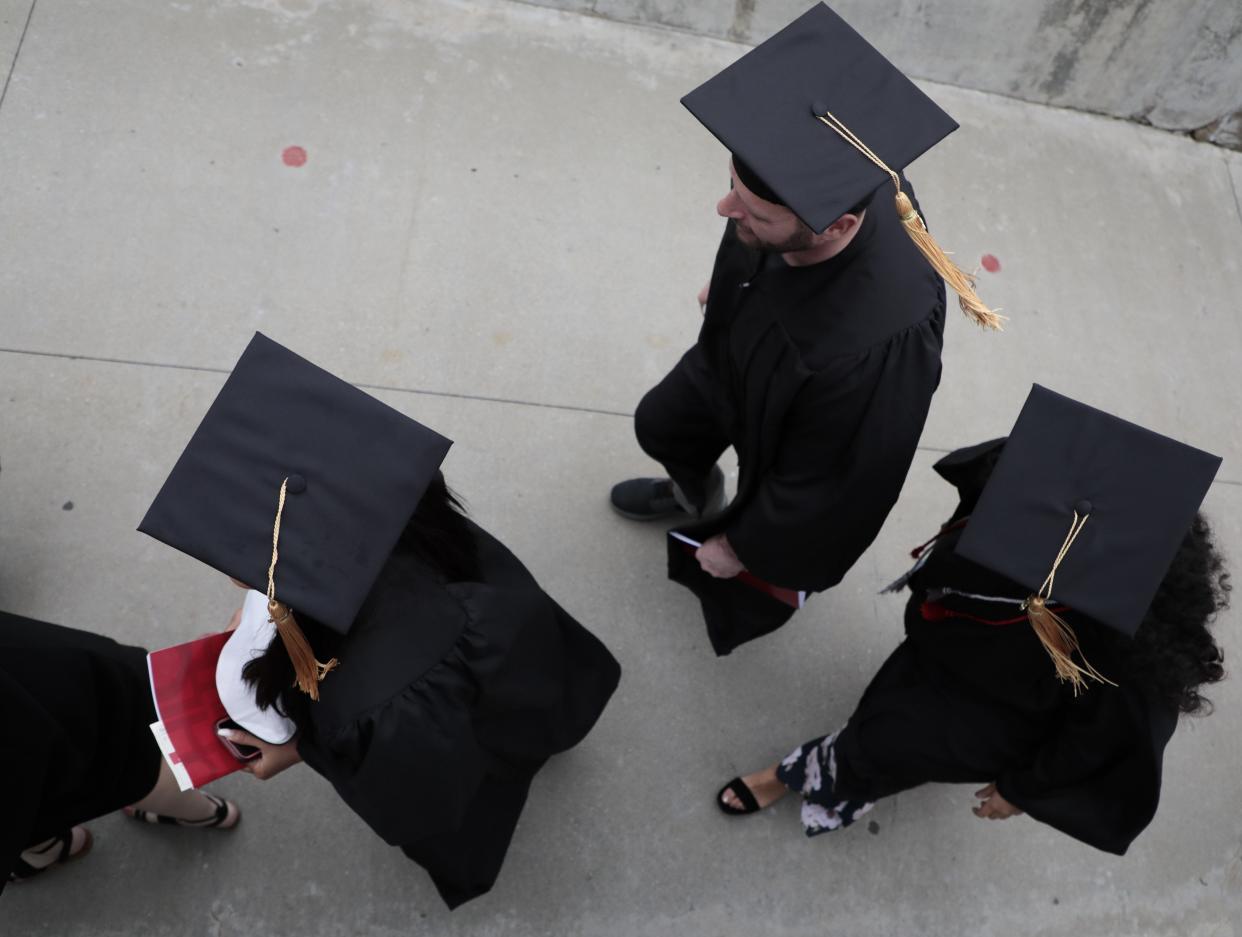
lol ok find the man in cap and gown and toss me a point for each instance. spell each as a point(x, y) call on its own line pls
point(434, 677)
point(1057, 625)
point(820, 346)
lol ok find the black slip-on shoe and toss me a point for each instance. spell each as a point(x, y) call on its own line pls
point(646, 499)
point(650, 499)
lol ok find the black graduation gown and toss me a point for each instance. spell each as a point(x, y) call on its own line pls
point(75, 742)
point(971, 695)
point(448, 699)
point(823, 376)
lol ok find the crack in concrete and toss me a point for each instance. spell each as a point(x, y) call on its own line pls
point(743, 17)
point(1233, 187)
point(17, 52)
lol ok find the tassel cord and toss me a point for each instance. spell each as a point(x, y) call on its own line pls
point(1053, 631)
point(307, 669)
point(958, 279)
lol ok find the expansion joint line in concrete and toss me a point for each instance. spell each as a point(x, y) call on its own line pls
point(17, 52)
point(167, 365)
point(419, 391)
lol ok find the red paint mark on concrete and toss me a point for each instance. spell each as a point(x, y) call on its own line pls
point(990, 263)
point(294, 156)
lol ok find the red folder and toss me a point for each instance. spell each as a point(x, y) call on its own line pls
point(791, 597)
point(183, 684)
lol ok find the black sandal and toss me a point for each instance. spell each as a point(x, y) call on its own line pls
point(220, 820)
point(742, 793)
point(23, 871)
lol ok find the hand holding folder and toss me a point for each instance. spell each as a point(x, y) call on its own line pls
point(791, 597)
point(198, 684)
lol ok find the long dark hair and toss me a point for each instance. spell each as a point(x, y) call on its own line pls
point(1173, 653)
point(437, 534)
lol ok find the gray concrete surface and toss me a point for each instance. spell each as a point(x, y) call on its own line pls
point(1176, 64)
point(501, 224)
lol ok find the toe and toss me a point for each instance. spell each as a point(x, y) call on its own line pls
point(80, 841)
point(232, 816)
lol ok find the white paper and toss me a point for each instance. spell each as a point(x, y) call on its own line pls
point(166, 748)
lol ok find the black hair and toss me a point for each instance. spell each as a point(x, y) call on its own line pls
point(755, 183)
point(438, 534)
point(1173, 653)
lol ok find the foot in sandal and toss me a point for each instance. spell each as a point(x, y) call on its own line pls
point(751, 793)
point(69, 845)
point(215, 813)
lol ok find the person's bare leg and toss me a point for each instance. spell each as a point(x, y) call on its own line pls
point(763, 784)
point(168, 800)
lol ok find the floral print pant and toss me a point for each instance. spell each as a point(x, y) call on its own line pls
point(811, 770)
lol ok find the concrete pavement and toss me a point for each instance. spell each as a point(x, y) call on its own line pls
point(500, 225)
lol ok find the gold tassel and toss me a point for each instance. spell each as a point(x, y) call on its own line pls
point(962, 282)
point(307, 670)
point(1061, 643)
point(1054, 634)
point(306, 667)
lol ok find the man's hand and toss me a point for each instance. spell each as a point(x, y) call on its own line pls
point(703, 298)
point(994, 807)
point(274, 758)
point(716, 556)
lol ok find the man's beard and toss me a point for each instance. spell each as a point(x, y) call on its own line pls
point(800, 240)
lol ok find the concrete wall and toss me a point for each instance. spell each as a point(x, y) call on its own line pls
point(1174, 63)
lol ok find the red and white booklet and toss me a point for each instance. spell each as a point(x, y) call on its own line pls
point(183, 684)
point(792, 597)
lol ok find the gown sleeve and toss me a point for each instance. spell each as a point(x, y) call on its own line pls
point(409, 767)
point(843, 455)
point(519, 682)
point(1097, 777)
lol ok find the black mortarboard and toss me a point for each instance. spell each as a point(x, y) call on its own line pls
point(1086, 509)
point(823, 119)
point(352, 468)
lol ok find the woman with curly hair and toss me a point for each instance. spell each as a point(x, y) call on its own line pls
point(971, 695)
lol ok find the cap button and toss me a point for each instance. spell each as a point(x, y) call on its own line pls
point(819, 108)
point(295, 484)
point(1083, 506)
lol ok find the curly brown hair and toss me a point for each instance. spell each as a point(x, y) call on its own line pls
point(1173, 652)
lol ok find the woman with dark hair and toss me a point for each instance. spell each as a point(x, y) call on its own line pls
point(971, 696)
point(460, 680)
point(426, 674)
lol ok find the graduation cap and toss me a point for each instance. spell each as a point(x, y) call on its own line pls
point(297, 481)
point(1090, 509)
point(820, 120)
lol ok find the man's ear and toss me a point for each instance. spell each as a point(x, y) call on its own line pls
point(842, 226)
